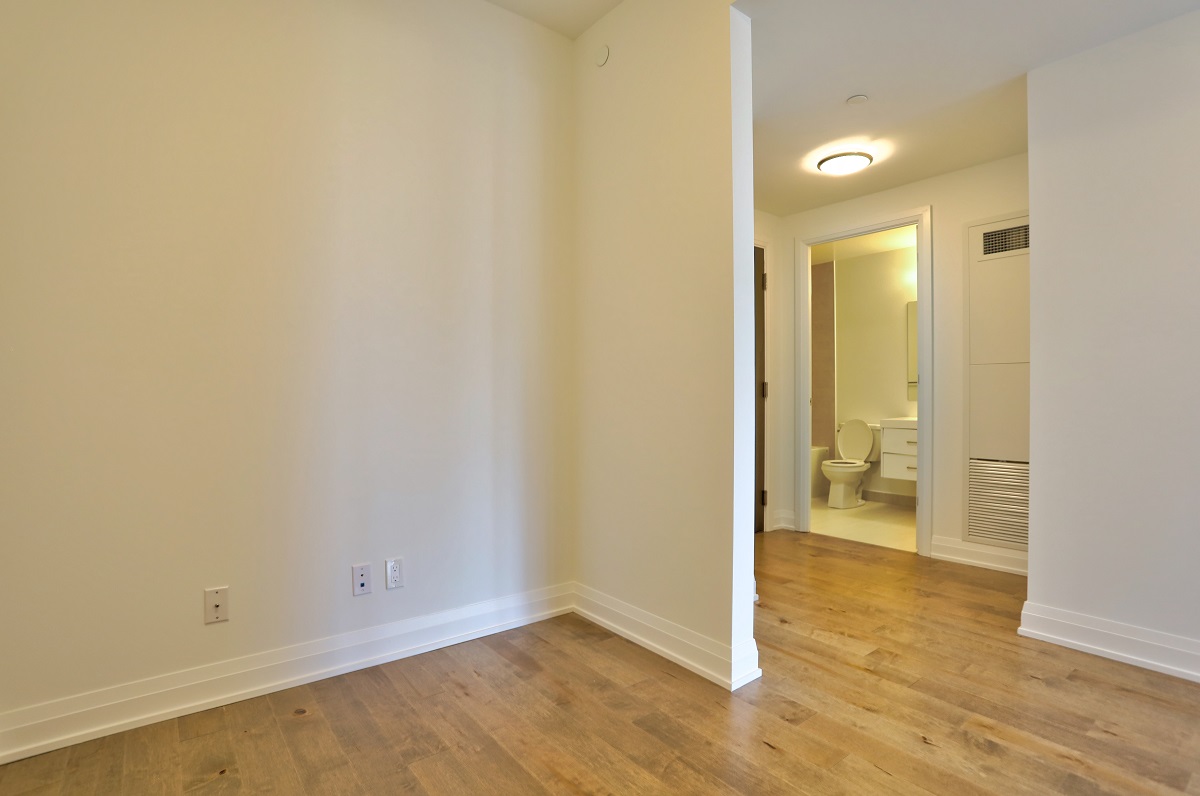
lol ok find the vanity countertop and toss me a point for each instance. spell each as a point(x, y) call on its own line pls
point(898, 422)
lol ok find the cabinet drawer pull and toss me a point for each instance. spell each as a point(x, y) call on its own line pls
point(911, 467)
point(910, 441)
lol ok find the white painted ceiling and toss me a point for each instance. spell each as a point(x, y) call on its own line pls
point(568, 17)
point(945, 80)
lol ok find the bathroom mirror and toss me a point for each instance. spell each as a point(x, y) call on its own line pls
point(912, 342)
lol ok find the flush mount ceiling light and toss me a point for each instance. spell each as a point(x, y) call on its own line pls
point(844, 163)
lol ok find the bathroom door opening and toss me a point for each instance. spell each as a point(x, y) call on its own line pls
point(863, 373)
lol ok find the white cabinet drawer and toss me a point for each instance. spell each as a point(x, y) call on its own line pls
point(898, 465)
point(900, 440)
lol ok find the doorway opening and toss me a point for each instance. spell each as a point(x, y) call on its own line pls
point(864, 388)
point(863, 384)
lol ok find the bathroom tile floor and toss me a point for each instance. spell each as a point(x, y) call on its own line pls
point(874, 523)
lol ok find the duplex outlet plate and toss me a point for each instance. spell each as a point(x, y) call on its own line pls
point(361, 574)
point(395, 573)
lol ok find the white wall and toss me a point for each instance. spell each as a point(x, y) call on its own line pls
point(956, 199)
point(871, 299)
point(871, 295)
point(1114, 169)
point(663, 410)
point(282, 289)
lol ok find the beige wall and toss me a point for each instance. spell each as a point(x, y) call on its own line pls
point(282, 289)
point(658, 352)
point(872, 294)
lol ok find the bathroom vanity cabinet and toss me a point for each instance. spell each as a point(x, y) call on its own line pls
point(899, 448)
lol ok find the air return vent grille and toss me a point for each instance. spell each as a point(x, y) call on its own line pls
point(998, 503)
point(1006, 240)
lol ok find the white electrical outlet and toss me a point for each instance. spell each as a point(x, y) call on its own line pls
point(216, 605)
point(362, 578)
point(395, 573)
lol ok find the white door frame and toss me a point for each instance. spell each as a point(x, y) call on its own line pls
point(803, 366)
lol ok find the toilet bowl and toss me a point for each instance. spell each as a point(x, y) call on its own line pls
point(855, 441)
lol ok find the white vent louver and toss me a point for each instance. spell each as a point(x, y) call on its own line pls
point(998, 503)
point(1006, 240)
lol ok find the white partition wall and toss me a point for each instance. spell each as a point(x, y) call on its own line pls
point(665, 320)
point(1115, 387)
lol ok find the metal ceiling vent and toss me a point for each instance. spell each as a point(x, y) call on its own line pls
point(1006, 240)
point(998, 503)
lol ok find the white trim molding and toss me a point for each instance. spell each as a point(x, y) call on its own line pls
point(728, 667)
point(34, 729)
point(51, 725)
point(783, 520)
point(949, 548)
point(1140, 646)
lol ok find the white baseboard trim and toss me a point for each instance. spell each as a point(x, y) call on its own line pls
point(782, 520)
point(947, 548)
point(35, 729)
point(727, 667)
point(52, 725)
point(1140, 646)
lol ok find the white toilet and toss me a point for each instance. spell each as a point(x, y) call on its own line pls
point(855, 444)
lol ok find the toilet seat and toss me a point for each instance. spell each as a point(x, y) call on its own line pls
point(854, 442)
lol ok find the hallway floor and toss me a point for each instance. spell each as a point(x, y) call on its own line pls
point(874, 523)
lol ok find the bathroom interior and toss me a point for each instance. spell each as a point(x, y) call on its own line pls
point(864, 388)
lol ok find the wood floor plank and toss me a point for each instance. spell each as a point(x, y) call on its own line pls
point(561, 714)
point(41, 774)
point(95, 766)
point(796, 758)
point(614, 668)
point(718, 760)
point(209, 765)
point(264, 762)
point(1056, 725)
point(152, 760)
point(411, 678)
point(196, 724)
point(364, 743)
point(443, 774)
point(557, 769)
point(921, 726)
point(319, 759)
point(409, 736)
point(863, 777)
point(476, 748)
point(568, 721)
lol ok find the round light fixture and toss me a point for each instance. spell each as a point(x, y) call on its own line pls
point(844, 163)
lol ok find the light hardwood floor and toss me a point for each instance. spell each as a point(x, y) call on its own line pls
point(884, 673)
